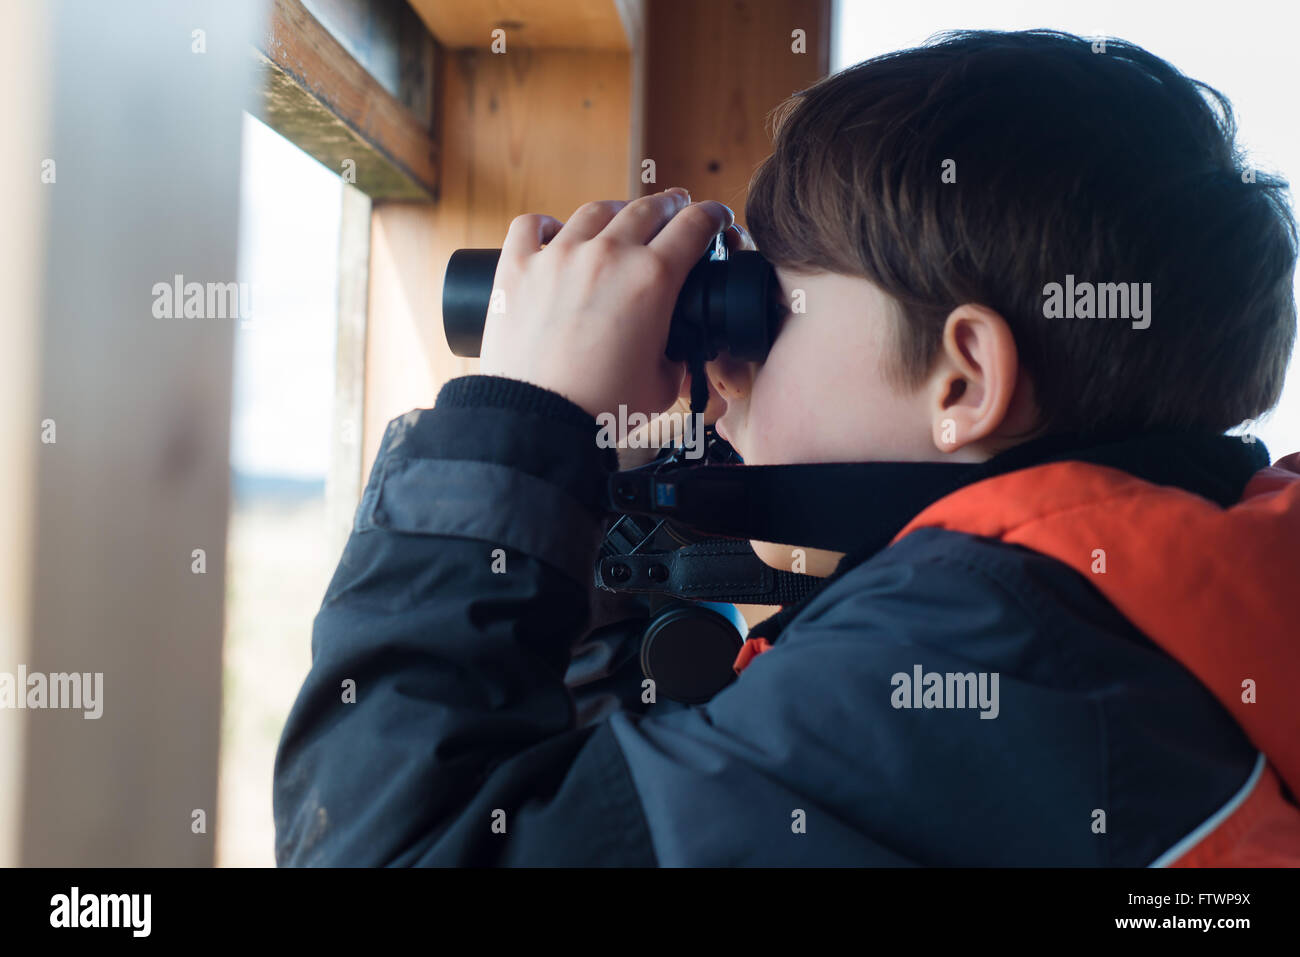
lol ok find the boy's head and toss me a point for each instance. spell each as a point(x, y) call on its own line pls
point(918, 208)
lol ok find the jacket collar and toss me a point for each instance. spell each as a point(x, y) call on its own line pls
point(1215, 467)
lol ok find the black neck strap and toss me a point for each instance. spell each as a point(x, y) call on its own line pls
point(837, 506)
point(858, 508)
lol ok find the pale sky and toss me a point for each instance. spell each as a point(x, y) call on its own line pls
point(284, 359)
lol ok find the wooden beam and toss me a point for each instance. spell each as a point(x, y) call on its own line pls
point(345, 481)
point(137, 477)
point(318, 96)
point(24, 149)
point(540, 24)
point(633, 14)
point(388, 39)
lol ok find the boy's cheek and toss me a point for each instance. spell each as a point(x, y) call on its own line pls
point(782, 422)
point(817, 403)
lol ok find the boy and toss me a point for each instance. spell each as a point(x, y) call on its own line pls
point(1080, 657)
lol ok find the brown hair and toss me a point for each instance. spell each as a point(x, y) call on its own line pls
point(1106, 166)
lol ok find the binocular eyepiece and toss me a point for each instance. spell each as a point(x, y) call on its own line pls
point(729, 303)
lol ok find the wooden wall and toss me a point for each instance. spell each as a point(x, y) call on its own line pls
point(713, 73)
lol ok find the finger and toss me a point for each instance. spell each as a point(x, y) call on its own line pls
point(738, 238)
point(587, 220)
point(685, 239)
point(527, 234)
point(642, 219)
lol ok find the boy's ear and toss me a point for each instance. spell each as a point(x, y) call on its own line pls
point(974, 378)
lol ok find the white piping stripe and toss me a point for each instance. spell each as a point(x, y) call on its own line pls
point(1219, 816)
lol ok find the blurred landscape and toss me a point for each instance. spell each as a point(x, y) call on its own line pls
point(278, 566)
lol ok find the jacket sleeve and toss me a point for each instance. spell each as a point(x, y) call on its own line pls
point(435, 725)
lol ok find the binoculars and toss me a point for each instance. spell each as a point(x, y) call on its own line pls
point(730, 303)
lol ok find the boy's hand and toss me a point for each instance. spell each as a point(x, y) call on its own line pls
point(587, 316)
